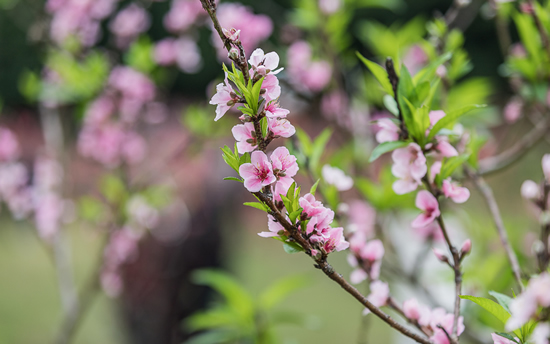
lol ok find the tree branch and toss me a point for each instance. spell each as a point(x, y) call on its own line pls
point(487, 193)
point(516, 152)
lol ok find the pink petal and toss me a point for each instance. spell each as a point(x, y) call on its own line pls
point(425, 200)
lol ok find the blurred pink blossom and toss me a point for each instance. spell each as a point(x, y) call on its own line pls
point(530, 190)
point(409, 165)
point(130, 22)
point(305, 74)
point(182, 15)
point(9, 146)
point(389, 131)
point(415, 59)
point(455, 192)
point(337, 177)
point(513, 109)
point(329, 6)
point(254, 28)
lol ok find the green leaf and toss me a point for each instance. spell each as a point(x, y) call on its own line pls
point(113, 188)
point(507, 336)
point(503, 300)
point(314, 187)
point(233, 178)
point(244, 159)
point(386, 147)
point(449, 166)
point(281, 289)
point(294, 215)
point(492, 307)
point(390, 104)
point(236, 296)
point(292, 247)
point(91, 209)
point(257, 205)
point(305, 142)
point(319, 148)
point(426, 73)
point(263, 124)
point(451, 117)
point(229, 158)
point(287, 202)
point(379, 73)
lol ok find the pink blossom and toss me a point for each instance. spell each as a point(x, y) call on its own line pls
point(20, 203)
point(274, 228)
point(188, 56)
point(361, 218)
point(457, 193)
point(165, 52)
point(512, 110)
point(134, 148)
point(546, 167)
point(224, 98)
point(9, 146)
point(132, 84)
point(357, 276)
point(334, 105)
point(444, 148)
point(182, 15)
point(310, 205)
point(48, 212)
point(526, 304)
point(415, 311)
point(13, 176)
point(379, 294)
point(258, 173)
point(439, 317)
point(440, 255)
point(142, 213)
point(431, 231)
point(389, 131)
point(428, 203)
point(271, 86)
point(329, 6)
point(541, 334)
point(530, 190)
point(130, 22)
point(272, 110)
point(111, 282)
point(305, 74)
point(409, 166)
point(336, 241)
point(435, 169)
point(99, 110)
point(435, 116)
point(264, 63)
point(320, 225)
point(499, 339)
point(232, 34)
point(337, 177)
point(415, 59)
point(243, 134)
point(372, 251)
point(466, 247)
point(254, 28)
point(280, 127)
point(284, 167)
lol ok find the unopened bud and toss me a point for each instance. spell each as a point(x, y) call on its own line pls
point(257, 77)
point(253, 133)
point(263, 91)
point(466, 247)
point(233, 95)
point(232, 34)
point(231, 102)
point(233, 54)
point(530, 190)
point(440, 255)
point(251, 141)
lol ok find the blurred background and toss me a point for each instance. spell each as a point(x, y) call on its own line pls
point(114, 195)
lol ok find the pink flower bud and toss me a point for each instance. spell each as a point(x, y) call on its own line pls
point(440, 255)
point(466, 247)
point(546, 166)
point(530, 190)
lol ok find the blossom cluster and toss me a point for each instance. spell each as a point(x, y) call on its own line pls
point(274, 174)
point(109, 134)
point(39, 197)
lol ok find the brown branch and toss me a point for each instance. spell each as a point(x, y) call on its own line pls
point(516, 152)
point(210, 7)
point(87, 295)
point(328, 270)
point(487, 193)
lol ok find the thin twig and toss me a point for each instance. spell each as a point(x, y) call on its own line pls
point(487, 193)
point(516, 152)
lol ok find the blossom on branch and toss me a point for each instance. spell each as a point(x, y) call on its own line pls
point(258, 173)
point(428, 203)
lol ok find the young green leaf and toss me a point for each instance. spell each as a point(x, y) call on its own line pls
point(314, 187)
point(492, 307)
point(503, 300)
point(294, 215)
point(292, 247)
point(379, 73)
point(386, 147)
point(233, 178)
point(305, 142)
point(263, 124)
point(390, 104)
point(281, 289)
point(318, 148)
point(257, 205)
point(451, 117)
point(449, 166)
